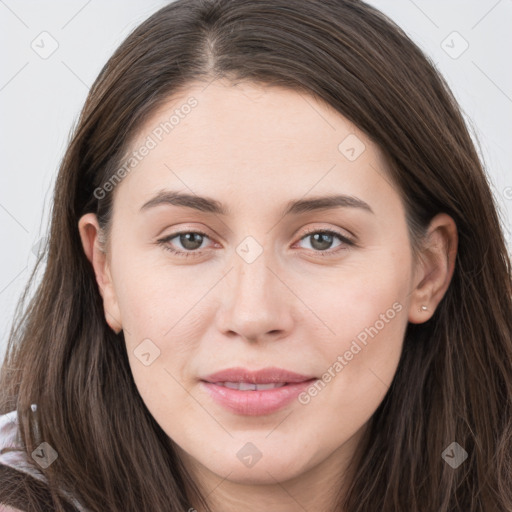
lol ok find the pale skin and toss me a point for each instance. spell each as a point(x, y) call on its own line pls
point(254, 149)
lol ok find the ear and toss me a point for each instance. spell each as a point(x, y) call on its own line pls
point(434, 269)
point(90, 231)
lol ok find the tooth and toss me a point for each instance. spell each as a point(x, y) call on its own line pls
point(271, 385)
point(246, 386)
point(230, 385)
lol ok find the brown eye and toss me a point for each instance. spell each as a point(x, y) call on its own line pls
point(188, 243)
point(322, 240)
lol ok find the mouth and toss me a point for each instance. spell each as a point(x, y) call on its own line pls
point(255, 393)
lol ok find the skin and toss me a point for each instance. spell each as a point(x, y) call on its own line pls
point(254, 149)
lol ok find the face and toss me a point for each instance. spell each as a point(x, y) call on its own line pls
point(290, 255)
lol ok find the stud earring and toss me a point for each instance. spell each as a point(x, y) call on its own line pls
point(423, 308)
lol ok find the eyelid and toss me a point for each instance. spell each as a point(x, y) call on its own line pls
point(170, 236)
point(348, 237)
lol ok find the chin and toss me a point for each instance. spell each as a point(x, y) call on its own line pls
point(262, 472)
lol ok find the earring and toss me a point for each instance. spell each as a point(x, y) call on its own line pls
point(423, 308)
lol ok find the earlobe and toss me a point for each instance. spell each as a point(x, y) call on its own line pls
point(434, 269)
point(90, 233)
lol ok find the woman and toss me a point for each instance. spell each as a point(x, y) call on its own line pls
point(276, 280)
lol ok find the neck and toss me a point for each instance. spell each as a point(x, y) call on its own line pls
point(318, 488)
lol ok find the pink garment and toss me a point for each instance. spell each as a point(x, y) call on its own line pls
point(13, 455)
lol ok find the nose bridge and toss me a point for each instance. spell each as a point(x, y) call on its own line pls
point(253, 279)
point(255, 302)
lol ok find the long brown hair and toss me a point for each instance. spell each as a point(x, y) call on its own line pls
point(454, 380)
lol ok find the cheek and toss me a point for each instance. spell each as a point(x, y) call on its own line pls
point(366, 293)
point(153, 295)
point(161, 326)
point(367, 310)
point(355, 381)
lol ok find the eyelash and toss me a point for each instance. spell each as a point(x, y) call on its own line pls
point(185, 254)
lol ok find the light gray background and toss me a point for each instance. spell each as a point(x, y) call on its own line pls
point(41, 96)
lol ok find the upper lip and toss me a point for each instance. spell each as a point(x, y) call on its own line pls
point(263, 376)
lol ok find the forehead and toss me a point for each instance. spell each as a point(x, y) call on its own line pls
point(250, 139)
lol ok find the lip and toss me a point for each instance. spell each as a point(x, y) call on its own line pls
point(255, 403)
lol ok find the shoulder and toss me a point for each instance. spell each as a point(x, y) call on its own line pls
point(17, 467)
point(12, 453)
point(5, 508)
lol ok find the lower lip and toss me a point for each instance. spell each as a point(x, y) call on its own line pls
point(256, 403)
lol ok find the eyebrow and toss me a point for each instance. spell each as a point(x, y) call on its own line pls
point(209, 205)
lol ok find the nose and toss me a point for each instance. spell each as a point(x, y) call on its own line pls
point(257, 303)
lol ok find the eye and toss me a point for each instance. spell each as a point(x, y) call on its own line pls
point(322, 240)
point(191, 242)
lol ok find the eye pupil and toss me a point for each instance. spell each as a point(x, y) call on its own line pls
point(324, 239)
